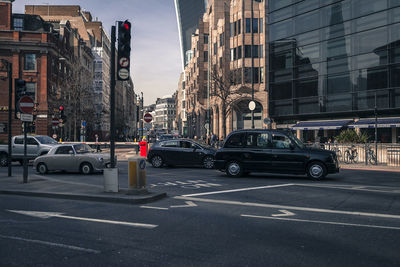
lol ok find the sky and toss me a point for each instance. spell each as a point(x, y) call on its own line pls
point(155, 55)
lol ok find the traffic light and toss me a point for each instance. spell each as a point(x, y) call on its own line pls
point(61, 114)
point(124, 50)
point(20, 91)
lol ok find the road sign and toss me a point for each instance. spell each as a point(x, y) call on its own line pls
point(147, 126)
point(26, 104)
point(54, 121)
point(26, 117)
point(124, 62)
point(83, 123)
point(147, 117)
point(123, 74)
point(54, 136)
point(252, 105)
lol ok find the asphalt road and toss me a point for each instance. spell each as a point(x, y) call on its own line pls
point(349, 219)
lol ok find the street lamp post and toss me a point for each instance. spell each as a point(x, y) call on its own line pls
point(252, 64)
point(376, 129)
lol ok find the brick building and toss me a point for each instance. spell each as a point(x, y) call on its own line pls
point(39, 55)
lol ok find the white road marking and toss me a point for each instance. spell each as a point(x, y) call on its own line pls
point(237, 190)
point(156, 208)
point(322, 222)
point(262, 205)
point(355, 188)
point(188, 205)
point(46, 215)
point(51, 244)
point(284, 213)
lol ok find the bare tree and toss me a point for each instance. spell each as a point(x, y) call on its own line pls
point(226, 88)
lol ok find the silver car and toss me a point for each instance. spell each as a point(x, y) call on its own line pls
point(71, 158)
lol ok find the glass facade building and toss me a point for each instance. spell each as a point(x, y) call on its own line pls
point(332, 59)
point(188, 13)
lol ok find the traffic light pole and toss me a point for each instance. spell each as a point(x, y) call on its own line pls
point(10, 83)
point(25, 159)
point(112, 98)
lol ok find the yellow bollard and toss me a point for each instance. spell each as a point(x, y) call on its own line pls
point(137, 172)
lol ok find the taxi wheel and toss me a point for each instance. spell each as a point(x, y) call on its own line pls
point(86, 168)
point(234, 169)
point(316, 170)
point(42, 168)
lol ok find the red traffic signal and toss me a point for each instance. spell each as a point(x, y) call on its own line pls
point(127, 25)
point(61, 108)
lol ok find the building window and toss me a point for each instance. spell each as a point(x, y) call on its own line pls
point(256, 75)
point(232, 30)
point(221, 39)
point(261, 25)
point(235, 28)
point(31, 90)
point(248, 26)
point(30, 62)
point(18, 24)
point(247, 51)
point(206, 39)
point(215, 48)
point(239, 24)
point(255, 25)
point(261, 75)
point(205, 56)
point(255, 51)
point(239, 52)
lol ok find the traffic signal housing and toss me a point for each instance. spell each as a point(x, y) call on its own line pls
point(124, 50)
point(20, 91)
point(61, 114)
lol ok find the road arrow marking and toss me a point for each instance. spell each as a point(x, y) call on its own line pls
point(188, 205)
point(46, 215)
point(284, 213)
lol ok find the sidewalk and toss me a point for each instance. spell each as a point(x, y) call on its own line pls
point(369, 167)
point(42, 186)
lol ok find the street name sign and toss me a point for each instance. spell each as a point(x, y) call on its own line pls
point(26, 117)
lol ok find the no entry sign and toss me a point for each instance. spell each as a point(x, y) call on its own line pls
point(26, 104)
point(148, 118)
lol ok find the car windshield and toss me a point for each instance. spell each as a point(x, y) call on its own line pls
point(83, 148)
point(297, 141)
point(46, 140)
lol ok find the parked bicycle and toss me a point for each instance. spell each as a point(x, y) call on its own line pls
point(338, 152)
point(351, 155)
point(371, 156)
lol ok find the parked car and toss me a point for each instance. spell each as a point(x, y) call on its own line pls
point(71, 158)
point(36, 145)
point(181, 152)
point(273, 151)
point(164, 137)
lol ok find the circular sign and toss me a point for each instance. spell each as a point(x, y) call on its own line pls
point(26, 104)
point(207, 126)
point(267, 121)
point(124, 62)
point(54, 136)
point(252, 105)
point(123, 74)
point(147, 117)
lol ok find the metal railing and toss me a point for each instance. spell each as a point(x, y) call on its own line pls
point(387, 154)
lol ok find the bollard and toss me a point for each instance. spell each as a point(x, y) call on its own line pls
point(137, 173)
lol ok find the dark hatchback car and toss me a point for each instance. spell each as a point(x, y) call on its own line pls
point(272, 151)
point(181, 152)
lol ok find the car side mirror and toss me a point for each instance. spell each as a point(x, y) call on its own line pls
point(71, 152)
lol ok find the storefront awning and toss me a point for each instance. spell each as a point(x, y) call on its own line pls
point(382, 123)
point(321, 125)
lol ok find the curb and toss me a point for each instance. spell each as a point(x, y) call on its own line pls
point(367, 169)
point(96, 198)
